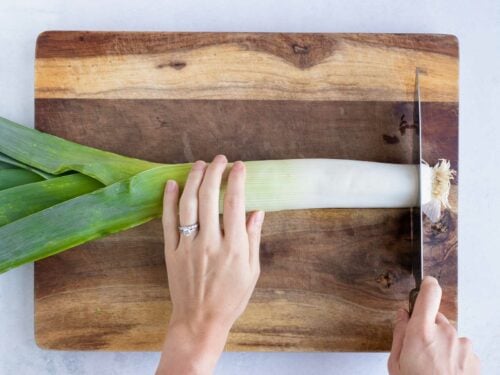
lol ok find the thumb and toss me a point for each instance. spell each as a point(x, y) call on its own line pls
point(401, 322)
point(254, 229)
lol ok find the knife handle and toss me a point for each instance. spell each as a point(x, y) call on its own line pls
point(413, 298)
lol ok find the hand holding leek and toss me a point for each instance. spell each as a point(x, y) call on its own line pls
point(211, 273)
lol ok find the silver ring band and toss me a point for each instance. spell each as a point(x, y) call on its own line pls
point(187, 230)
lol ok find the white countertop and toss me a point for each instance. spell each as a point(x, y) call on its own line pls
point(477, 25)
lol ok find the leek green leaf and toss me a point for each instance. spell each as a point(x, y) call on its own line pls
point(24, 200)
point(122, 205)
point(55, 155)
point(5, 166)
point(11, 163)
point(15, 177)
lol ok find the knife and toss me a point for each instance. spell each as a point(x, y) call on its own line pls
point(417, 233)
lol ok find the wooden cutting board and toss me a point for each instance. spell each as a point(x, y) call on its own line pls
point(331, 279)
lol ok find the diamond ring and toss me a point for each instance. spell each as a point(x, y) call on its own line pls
point(187, 230)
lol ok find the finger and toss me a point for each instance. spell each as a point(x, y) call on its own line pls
point(466, 355)
point(402, 317)
point(254, 230)
point(169, 217)
point(472, 365)
point(465, 345)
point(234, 202)
point(209, 196)
point(441, 319)
point(427, 303)
point(188, 206)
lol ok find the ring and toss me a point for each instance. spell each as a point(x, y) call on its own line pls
point(187, 230)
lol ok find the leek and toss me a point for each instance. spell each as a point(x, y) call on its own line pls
point(5, 165)
point(79, 209)
point(54, 155)
point(14, 177)
point(138, 199)
point(117, 207)
point(24, 200)
point(7, 162)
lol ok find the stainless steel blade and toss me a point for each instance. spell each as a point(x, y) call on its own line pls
point(417, 233)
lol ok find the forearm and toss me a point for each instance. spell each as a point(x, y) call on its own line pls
point(192, 350)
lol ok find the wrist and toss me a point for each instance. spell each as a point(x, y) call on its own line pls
point(199, 325)
point(193, 347)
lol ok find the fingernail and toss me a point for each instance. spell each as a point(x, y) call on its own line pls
point(259, 217)
point(171, 185)
point(198, 166)
point(220, 158)
point(238, 165)
point(430, 279)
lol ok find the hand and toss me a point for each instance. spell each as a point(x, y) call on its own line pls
point(427, 343)
point(211, 273)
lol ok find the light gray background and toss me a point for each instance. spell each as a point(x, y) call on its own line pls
point(477, 25)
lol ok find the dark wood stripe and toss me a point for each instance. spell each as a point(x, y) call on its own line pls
point(175, 131)
point(301, 49)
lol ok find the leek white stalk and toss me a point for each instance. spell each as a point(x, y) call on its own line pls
point(331, 183)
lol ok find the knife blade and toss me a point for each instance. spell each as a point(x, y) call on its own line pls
point(417, 233)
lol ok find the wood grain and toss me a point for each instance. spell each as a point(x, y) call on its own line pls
point(302, 48)
point(331, 279)
point(242, 67)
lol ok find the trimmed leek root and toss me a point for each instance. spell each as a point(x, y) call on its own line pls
point(134, 190)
